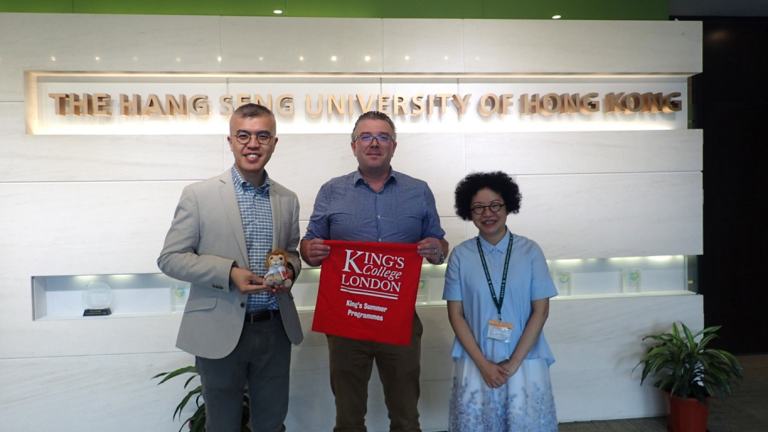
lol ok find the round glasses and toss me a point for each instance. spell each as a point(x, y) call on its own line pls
point(381, 139)
point(480, 209)
point(244, 137)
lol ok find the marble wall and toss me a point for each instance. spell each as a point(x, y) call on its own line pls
point(101, 204)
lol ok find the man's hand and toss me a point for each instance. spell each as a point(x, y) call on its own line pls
point(314, 251)
point(431, 249)
point(246, 281)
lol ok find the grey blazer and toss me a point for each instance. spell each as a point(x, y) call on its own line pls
point(205, 239)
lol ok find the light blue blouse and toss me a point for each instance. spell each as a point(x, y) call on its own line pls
point(528, 279)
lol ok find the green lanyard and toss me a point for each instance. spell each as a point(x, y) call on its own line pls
point(497, 301)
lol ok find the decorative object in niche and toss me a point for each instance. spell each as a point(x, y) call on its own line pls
point(631, 280)
point(563, 283)
point(97, 297)
point(179, 296)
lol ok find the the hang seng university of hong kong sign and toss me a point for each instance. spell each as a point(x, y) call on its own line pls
point(171, 104)
point(368, 291)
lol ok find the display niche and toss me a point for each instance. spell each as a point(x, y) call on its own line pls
point(153, 294)
point(125, 295)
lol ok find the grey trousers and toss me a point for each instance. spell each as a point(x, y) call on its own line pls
point(262, 358)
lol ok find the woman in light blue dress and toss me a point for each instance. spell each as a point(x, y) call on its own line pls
point(498, 287)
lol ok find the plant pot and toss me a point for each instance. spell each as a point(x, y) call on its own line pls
point(687, 415)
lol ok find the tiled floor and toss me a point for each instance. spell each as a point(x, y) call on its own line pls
point(746, 410)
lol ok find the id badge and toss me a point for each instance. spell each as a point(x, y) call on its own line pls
point(499, 330)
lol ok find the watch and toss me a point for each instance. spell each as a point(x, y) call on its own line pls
point(442, 258)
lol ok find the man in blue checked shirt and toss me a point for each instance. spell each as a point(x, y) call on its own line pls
point(375, 204)
point(239, 330)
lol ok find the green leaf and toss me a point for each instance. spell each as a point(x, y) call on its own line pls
point(708, 330)
point(190, 379)
point(689, 336)
point(184, 401)
point(177, 372)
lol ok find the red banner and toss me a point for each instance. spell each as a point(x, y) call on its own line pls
point(368, 291)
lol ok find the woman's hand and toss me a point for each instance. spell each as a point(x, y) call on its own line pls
point(511, 366)
point(494, 375)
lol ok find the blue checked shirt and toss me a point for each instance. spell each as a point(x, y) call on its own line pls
point(256, 213)
point(347, 208)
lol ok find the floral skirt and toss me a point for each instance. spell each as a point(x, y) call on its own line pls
point(524, 404)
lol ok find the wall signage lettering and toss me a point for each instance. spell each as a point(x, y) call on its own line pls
point(181, 105)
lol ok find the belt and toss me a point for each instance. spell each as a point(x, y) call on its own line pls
point(261, 316)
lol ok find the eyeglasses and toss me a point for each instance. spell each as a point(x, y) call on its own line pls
point(381, 139)
point(244, 137)
point(480, 209)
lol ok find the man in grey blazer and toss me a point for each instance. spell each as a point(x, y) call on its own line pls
point(239, 329)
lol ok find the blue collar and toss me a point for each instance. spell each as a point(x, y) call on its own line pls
point(357, 177)
point(241, 183)
point(501, 246)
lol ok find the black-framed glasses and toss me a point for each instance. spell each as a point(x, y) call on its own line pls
point(368, 139)
point(244, 137)
point(480, 209)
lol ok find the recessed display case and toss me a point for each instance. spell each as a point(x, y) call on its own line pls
point(152, 294)
point(609, 277)
point(147, 294)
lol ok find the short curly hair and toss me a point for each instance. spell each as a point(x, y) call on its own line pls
point(497, 181)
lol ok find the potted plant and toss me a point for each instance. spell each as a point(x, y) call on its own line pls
point(197, 420)
point(690, 373)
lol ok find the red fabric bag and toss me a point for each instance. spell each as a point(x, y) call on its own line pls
point(368, 291)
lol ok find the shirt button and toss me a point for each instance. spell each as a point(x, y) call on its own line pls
point(379, 239)
point(378, 216)
point(242, 305)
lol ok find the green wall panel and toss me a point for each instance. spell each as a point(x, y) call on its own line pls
point(179, 7)
point(36, 6)
point(334, 8)
point(491, 9)
point(388, 9)
point(577, 9)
